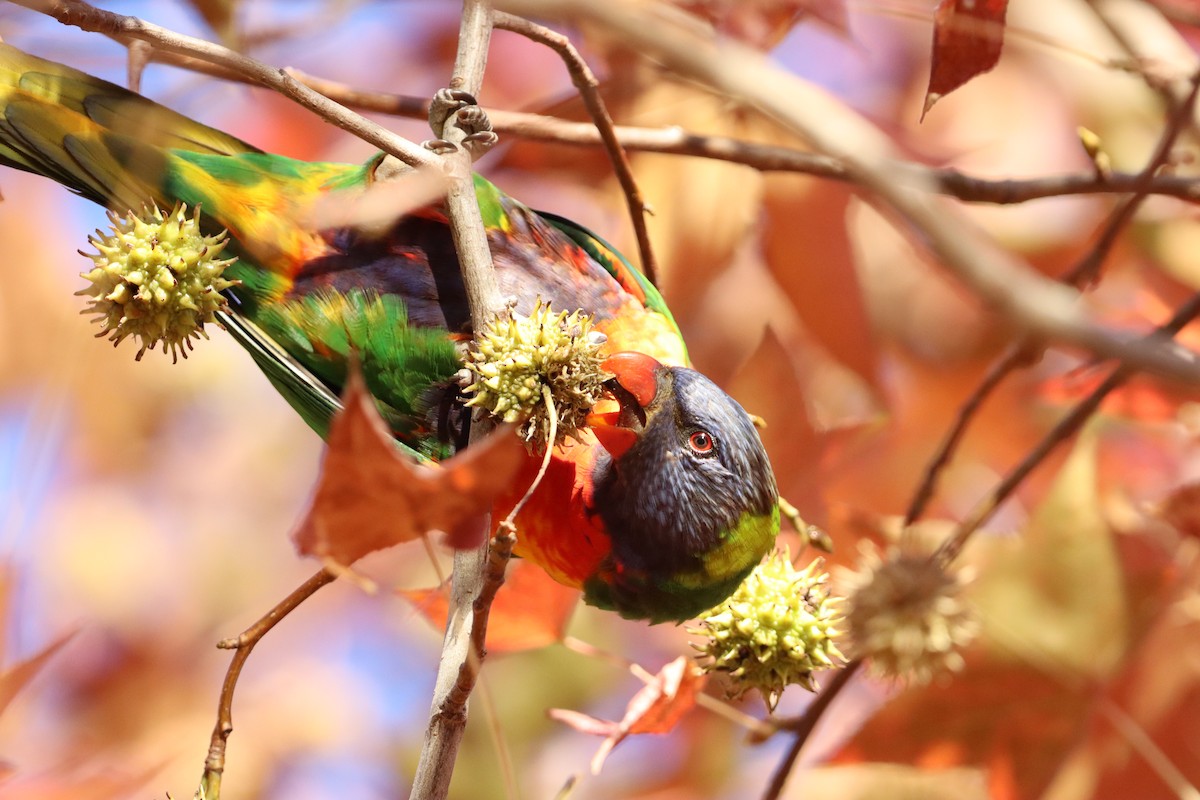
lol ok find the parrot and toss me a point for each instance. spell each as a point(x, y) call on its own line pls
point(657, 510)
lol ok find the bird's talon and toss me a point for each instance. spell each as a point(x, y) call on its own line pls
point(454, 108)
point(483, 140)
point(478, 144)
point(444, 104)
point(439, 146)
point(461, 97)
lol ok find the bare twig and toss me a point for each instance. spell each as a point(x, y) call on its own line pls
point(1016, 355)
point(1059, 434)
point(1007, 284)
point(1151, 753)
point(477, 573)
point(126, 28)
point(214, 764)
point(588, 88)
point(764, 157)
point(1082, 274)
point(803, 726)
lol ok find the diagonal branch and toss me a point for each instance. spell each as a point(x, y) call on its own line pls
point(242, 645)
point(128, 29)
point(677, 141)
point(588, 87)
point(1084, 272)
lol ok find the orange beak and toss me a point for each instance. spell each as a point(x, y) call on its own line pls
point(619, 421)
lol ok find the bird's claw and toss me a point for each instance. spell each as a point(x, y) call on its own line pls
point(458, 109)
point(479, 143)
point(439, 146)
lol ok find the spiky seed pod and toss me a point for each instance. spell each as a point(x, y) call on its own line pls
point(777, 629)
point(516, 356)
point(906, 615)
point(156, 278)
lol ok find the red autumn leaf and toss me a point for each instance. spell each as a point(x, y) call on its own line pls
point(1181, 510)
point(531, 609)
point(16, 677)
point(967, 38)
point(370, 496)
point(764, 23)
point(656, 708)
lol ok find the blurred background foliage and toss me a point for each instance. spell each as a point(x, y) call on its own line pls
point(146, 507)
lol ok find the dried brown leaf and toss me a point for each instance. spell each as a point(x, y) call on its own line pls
point(370, 496)
point(656, 708)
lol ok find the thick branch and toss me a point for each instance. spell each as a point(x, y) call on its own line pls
point(589, 89)
point(477, 573)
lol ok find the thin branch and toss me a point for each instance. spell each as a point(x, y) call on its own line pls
point(243, 644)
point(1006, 283)
point(478, 573)
point(1151, 753)
point(123, 28)
point(1060, 433)
point(589, 90)
point(803, 726)
point(1083, 273)
point(1015, 356)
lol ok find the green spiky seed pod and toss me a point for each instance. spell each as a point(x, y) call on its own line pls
point(777, 629)
point(516, 356)
point(156, 278)
point(907, 616)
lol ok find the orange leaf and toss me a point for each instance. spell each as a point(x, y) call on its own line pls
point(16, 677)
point(808, 249)
point(370, 496)
point(531, 610)
point(967, 38)
point(656, 708)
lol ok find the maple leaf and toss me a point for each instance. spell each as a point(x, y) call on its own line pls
point(531, 609)
point(967, 38)
point(371, 496)
point(656, 708)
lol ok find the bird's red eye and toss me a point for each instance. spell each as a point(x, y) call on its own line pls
point(701, 442)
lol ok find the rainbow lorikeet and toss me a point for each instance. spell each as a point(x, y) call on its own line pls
point(658, 511)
